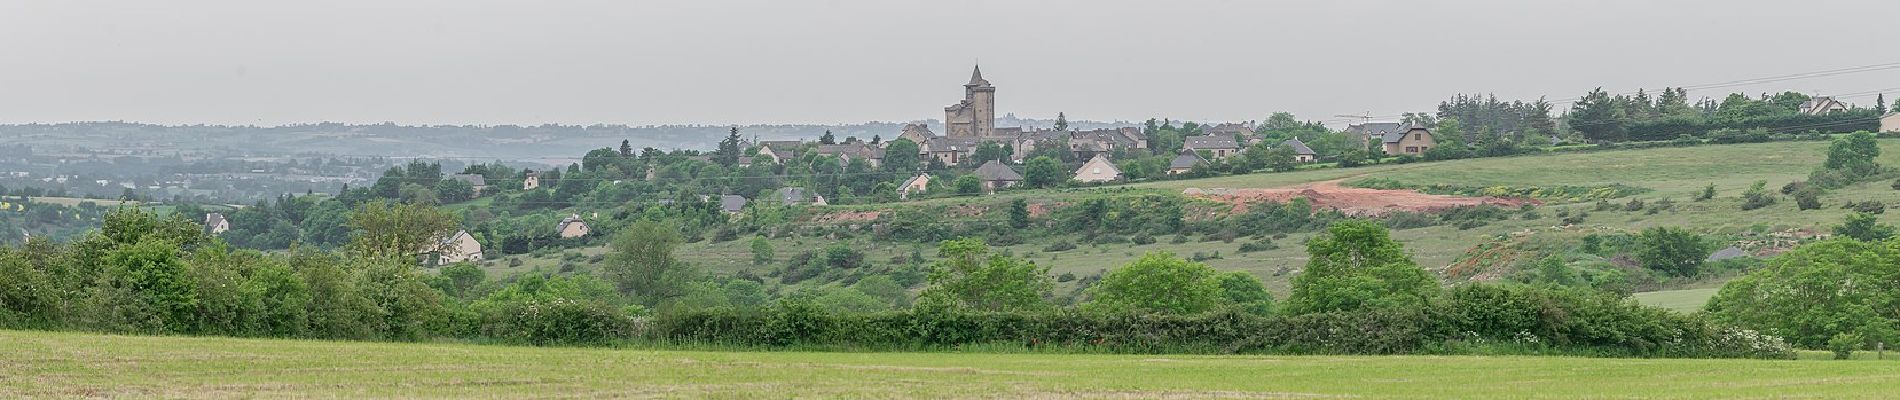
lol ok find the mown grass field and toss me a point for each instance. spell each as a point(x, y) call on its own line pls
point(74, 365)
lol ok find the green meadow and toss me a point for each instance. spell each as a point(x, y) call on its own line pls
point(76, 365)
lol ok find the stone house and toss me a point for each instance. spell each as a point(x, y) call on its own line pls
point(779, 150)
point(530, 180)
point(216, 224)
point(1414, 141)
point(995, 175)
point(572, 227)
point(1219, 146)
point(1364, 133)
point(916, 184)
point(1301, 153)
point(1098, 169)
point(457, 248)
point(1185, 162)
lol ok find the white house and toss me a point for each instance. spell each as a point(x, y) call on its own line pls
point(1098, 169)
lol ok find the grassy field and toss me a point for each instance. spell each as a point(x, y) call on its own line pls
point(1685, 300)
point(72, 365)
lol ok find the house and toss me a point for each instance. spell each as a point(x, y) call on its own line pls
point(457, 248)
point(797, 195)
point(530, 180)
point(916, 133)
point(779, 150)
point(1301, 153)
point(1364, 133)
point(995, 175)
point(732, 203)
point(1185, 162)
point(1219, 146)
point(1821, 105)
point(916, 184)
point(1230, 129)
point(1088, 144)
point(216, 224)
point(1890, 122)
point(477, 181)
point(1098, 169)
point(872, 155)
point(572, 227)
point(1414, 141)
point(950, 151)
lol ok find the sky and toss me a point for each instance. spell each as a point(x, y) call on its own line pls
point(722, 62)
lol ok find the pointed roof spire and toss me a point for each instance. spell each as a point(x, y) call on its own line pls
point(976, 77)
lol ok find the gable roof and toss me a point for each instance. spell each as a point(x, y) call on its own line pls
point(1229, 129)
point(212, 220)
point(1099, 161)
point(1298, 146)
point(1210, 142)
point(996, 171)
point(570, 220)
point(791, 195)
point(1187, 159)
point(457, 237)
point(1375, 128)
point(1396, 136)
point(913, 181)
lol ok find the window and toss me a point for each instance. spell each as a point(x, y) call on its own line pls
point(1418, 136)
point(1411, 149)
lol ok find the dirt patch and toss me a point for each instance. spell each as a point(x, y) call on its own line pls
point(1351, 200)
point(848, 216)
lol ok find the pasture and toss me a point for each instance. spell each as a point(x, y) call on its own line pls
point(68, 365)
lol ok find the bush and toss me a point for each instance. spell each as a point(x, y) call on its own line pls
point(1843, 345)
point(1866, 207)
point(1258, 245)
point(1633, 205)
point(1059, 245)
point(1807, 199)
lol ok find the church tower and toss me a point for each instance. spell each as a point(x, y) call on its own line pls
point(975, 116)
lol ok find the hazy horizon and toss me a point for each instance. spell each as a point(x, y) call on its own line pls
point(842, 62)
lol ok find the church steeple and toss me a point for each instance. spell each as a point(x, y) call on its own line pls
point(976, 77)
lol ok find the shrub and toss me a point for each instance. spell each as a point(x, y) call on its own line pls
point(1843, 345)
point(1757, 196)
point(1258, 245)
point(1708, 192)
point(1633, 205)
point(1059, 245)
point(1807, 199)
point(1142, 239)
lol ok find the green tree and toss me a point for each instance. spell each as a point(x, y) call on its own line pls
point(900, 156)
point(398, 230)
point(640, 263)
point(971, 278)
point(1599, 117)
point(969, 185)
point(1042, 172)
point(827, 138)
point(1672, 251)
point(762, 251)
point(1241, 289)
point(1854, 155)
point(1019, 213)
point(1863, 227)
point(1356, 265)
point(1817, 291)
point(729, 151)
point(454, 191)
point(1160, 283)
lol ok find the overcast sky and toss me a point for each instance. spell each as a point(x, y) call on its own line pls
point(782, 61)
